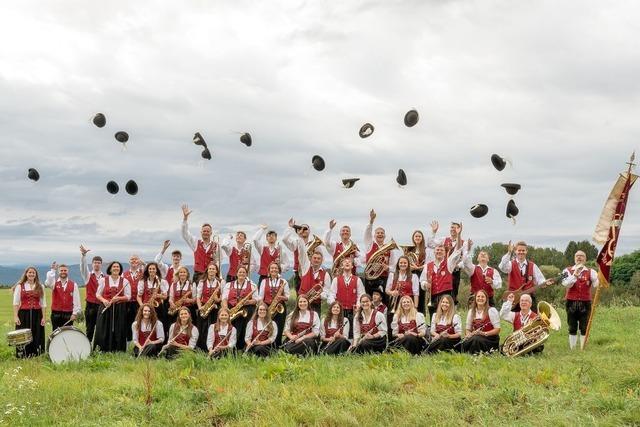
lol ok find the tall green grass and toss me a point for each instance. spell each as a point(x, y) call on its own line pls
point(600, 386)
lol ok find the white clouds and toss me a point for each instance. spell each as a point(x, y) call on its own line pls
point(551, 85)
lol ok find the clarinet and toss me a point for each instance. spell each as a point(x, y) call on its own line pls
point(473, 333)
point(415, 328)
point(326, 344)
point(256, 338)
point(353, 347)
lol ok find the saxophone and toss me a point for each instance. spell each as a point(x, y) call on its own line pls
point(178, 304)
point(375, 265)
point(276, 306)
point(154, 295)
point(351, 250)
point(534, 334)
point(210, 304)
point(238, 309)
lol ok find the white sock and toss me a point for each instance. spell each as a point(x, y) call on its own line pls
point(573, 340)
point(582, 339)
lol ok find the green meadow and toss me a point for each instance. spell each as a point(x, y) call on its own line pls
point(599, 386)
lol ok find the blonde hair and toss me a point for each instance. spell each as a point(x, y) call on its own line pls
point(411, 315)
point(448, 316)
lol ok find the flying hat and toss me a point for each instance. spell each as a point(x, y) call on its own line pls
point(99, 120)
point(350, 182)
point(512, 209)
point(511, 187)
point(33, 174)
point(366, 130)
point(206, 154)
point(318, 163)
point(112, 187)
point(479, 210)
point(131, 187)
point(498, 162)
point(245, 138)
point(199, 140)
point(122, 136)
point(411, 118)
point(401, 178)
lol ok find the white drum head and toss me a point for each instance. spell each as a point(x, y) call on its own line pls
point(69, 345)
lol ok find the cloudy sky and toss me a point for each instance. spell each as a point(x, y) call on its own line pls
point(551, 85)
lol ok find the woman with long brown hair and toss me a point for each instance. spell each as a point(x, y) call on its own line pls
point(261, 332)
point(114, 291)
point(152, 285)
point(268, 293)
point(209, 290)
point(446, 327)
point(183, 335)
point(222, 335)
point(419, 251)
point(408, 327)
point(302, 329)
point(147, 332)
point(369, 329)
point(182, 293)
point(334, 331)
point(482, 332)
point(28, 311)
point(236, 291)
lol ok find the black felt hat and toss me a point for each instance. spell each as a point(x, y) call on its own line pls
point(479, 210)
point(411, 118)
point(131, 187)
point(366, 130)
point(498, 162)
point(122, 136)
point(512, 209)
point(511, 188)
point(245, 138)
point(350, 182)
point(33, 174)
point(112, 187)
point(318, 163)
point(401, 178)
point(99, 120)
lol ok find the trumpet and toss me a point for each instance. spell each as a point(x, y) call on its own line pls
point(210, 304)
point(178, 304)
point(238, 309)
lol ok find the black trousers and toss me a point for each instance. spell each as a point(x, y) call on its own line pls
point(296, 281)
point(203, 327)
point(455, 281)
point(31, 319)
point(260, 279)
point(421, 293)
point(59, 318)
point(578, 316)
point(240, 323)
point(480, 344)
point(90, 318)
point(280, 319)
point(132, 310)
point(349, 315)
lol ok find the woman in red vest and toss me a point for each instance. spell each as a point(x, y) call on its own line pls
point(182, 293)
point(209, 287)
point(482, 332)
point(147, 331)
point(233, 293)
point(183, 335)
point(419, 249)
point(334, 331)
point(28, 311)
point(302, 329)
point(409, 327)
point(111, 328)
point(446, 327)
point(270, 288)
point(261, 332)
point(370, 329)
point(222, 336)
point(152, 285)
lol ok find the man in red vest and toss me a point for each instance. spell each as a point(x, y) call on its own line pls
point(521, 318)
point(168, 271)
point(335, 247)
point(347, 289)
point(290, 238)
point(65, 296)
point(449, 244)
point(271, 252)
point(579, 281)
point(205, 250)
point(239, 253)
point(91, 278)
point(481, 275)
point(374, 240)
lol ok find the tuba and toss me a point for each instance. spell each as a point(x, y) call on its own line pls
point(375, 265)
point(534, 334)
point(313, 245)
point(351, 250)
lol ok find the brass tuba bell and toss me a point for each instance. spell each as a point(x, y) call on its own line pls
point(534, 334)
point(375, 265)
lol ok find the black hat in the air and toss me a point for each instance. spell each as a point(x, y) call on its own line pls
point(318, 163)
point(206, 154)
point(479, 210)
point(33, 174)
point(199, 140)
point(245, 138)
point(498, 162)
point(112, 187)
point(350, 182)
point(511, 188)
point(131, 187)
point(366, 130)
point(122, 136)
point(99, 120)
point(512, 209)
point(411, 118)
point(401, 178)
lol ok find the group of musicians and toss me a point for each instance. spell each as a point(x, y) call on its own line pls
point(163, 308)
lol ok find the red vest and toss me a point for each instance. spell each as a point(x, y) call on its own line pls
point(207, 290)
point(441, 280)
point(92, 287)
point(270, 292)
point(180, 290)
point(478, 283)
point(144, 336)
point(182, 337)
point(519, 282)
point(133, 282)
point(218, 338)
point(266, 258)
point(338, 251)
point(169, 277)
point(381, 308)
point(449, 329)
point(236, 294)
point(234, 262)
point(329, 331)
point(370, 327)
point(301, 326)
point(347, 293)
point(517, 320)
point(202, 258)
point(264, 335)
point(581, 289)
point(488, 326)
point(108, 292)
point(61, 299)
point(385, 258)
point(147, 292)
point(29, 300)
point(308, 281)
point(412, 326)
point(404, 286)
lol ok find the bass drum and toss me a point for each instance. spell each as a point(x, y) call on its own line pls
point(68, 344)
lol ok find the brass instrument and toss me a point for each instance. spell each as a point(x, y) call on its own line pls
point(276, 306)
point(178, 304)
point(238, 309)
point(351, 250)
point(210, 304)
point(375, 266)
point(245, 253)
point(410, 251)
point(154, 295)
point(314, 293)
point(534, 334)
point(313, 245)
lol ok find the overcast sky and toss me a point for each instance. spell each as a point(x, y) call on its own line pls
point(552, 85)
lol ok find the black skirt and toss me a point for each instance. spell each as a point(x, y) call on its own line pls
point(149, 350)
point(374, 345)
point(410, 343)
point(30, 319)
point(306, 347)
point(227, 352)
point(110, 335)
point(203, 327)
point(260, 350)
point(443, 344)
point(339, 346)
point(481, 344)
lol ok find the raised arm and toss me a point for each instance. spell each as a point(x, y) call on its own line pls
point(186, 234)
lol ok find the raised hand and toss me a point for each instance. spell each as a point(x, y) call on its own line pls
point(434, 226)
point(372, 216)
point(510, 298)
point(165, 245)
point(469, 244)
point(185, 212)
point(509, 247)
point(54, 266)
point(332, 224)
point(291, 222)
point(83, 250)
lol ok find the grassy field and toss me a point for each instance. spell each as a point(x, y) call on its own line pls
point(600, 386)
